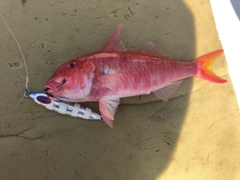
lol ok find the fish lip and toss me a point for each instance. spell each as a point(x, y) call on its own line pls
point(50, 86)
point(48, 90)
point(53, 85)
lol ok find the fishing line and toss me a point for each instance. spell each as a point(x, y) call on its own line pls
point(50, 102)
point(26, 93)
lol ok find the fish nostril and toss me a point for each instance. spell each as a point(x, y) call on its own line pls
point(58, 80)
point(64, 81)
point(60, 84)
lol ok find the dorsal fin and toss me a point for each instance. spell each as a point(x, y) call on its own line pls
point(115, 43)
point(151, 48)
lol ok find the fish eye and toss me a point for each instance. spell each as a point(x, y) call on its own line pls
point(72, 65)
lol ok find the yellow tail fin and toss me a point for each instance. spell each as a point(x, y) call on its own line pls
point(203, 67)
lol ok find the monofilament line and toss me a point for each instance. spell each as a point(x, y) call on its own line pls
point(24, 60)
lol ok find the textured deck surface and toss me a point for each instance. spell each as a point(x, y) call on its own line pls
point(195, 135)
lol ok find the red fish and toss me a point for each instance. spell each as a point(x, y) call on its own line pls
point(114, 72)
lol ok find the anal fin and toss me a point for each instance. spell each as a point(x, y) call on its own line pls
point(165, 92)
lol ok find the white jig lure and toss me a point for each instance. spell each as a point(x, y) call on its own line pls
point(72, 109)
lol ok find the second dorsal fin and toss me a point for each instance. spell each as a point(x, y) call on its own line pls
point(115, 42)
point(151, 48)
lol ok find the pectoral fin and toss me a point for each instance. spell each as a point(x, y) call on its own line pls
point(108, 107)
point(165, 92)
point(110, 81)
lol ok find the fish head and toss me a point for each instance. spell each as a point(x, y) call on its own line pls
point(71, 81)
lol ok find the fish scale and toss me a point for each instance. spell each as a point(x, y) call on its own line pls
point(143, 70)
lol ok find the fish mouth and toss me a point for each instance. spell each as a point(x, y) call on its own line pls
point(54, 86)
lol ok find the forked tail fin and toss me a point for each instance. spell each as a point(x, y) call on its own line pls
point(203, 67)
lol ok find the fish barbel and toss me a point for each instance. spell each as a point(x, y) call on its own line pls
point(114, 72)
